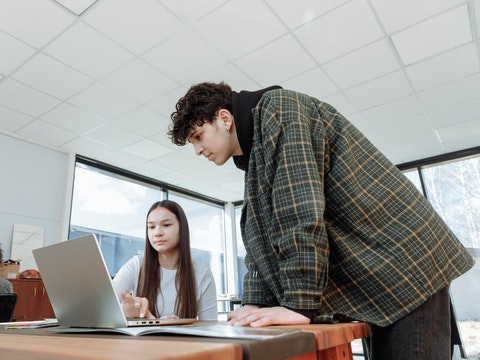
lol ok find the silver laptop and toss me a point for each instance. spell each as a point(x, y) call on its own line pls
point(80, 287)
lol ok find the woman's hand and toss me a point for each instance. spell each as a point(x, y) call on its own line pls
point(135, 307)
point(254, 316)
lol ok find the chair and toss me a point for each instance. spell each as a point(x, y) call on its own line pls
point(7, 305)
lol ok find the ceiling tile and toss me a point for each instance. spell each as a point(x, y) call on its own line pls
point(193, 56)
point(449, 115)
point(24, 99)
point(176, 178)
point(121, 159)
point(327, 37)
point(148, 149)
point(103, 101)
point(73, 118)
point(398, 14)
point(477, 15)
point(229, 73)
point(52, 77)
point(313, 82)
point(416, 145)
point(362, 65)
point(12, 120)
point(451, 94)
point(191, 10)
point(140, 81)
point(88, 51)
point(165, 104)
point(258, 64)
point(138, 28)
point(87, 147)
point(396, 110)
point(341, 103)
point(439, 69)
point(461, 132)
point(434, 35)
point(150, 169)
point(233, 30)
point(403, 128)
point(387, 88)
point(46, 133)
point(300, 12)
point(179, 160)
point(114, 136)
point(360, 121)
point(143, 121)
point(17, 51)
point(76, 6)
point(35, 22)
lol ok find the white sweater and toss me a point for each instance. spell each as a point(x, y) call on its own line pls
point(126, 280)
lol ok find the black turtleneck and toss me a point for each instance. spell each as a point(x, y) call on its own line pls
point(242, 104)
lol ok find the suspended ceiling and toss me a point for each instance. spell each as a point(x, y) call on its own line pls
point(101, 78)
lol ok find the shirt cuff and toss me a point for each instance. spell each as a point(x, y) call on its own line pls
point(307, 313)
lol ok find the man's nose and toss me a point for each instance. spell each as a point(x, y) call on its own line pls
point(198, 149)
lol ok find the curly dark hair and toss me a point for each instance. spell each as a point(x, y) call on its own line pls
point(200, 104)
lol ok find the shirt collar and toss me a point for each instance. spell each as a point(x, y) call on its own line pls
point(243, 103)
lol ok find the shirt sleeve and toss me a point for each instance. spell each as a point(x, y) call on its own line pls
point(126, 279)
point(289, 204)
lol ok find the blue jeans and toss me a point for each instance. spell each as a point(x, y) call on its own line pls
point(424, 334)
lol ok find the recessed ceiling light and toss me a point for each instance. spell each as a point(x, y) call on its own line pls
point(76, 6)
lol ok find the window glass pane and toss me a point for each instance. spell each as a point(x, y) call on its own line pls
point(112, 208)
point(454, 191)
point(206, 225)
point(414, 177)
point(241, 252)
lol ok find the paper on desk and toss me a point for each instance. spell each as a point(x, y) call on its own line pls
point(29, 324)
point(206, 330)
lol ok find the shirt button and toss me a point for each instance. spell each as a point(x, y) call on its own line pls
point(317, 299)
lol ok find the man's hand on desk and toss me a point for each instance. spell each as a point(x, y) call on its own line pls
point(252, 315)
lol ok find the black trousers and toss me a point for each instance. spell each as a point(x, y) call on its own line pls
point(424, 334)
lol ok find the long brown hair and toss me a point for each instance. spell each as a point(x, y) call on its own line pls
point(150, 274)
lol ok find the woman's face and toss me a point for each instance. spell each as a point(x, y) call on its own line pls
point(163, 230)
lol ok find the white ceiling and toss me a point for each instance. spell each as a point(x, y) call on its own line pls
point(103, 83)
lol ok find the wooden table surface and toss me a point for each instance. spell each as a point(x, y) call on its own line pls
point(333, 341)
point(317, 341)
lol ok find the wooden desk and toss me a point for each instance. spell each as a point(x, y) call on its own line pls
point(322, 341)
point(43, 344)
point(333, 341)
point(39, 347)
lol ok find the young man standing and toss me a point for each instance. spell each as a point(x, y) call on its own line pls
point(333, 230)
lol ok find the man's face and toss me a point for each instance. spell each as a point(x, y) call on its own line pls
point(213, 141)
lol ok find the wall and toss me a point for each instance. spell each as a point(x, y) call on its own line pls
point(35, 185)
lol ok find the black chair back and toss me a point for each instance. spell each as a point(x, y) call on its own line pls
point(7, 305)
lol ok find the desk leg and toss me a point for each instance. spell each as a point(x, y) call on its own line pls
point(340, 352)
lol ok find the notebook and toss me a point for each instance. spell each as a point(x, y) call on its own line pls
point(80, 288)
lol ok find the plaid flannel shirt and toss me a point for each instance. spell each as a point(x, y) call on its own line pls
point(331, 225)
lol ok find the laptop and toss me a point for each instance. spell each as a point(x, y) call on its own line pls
point(80, 288)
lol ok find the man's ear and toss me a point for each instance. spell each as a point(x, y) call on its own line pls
point(226, 118)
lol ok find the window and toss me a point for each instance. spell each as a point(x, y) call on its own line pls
point(114, 208)
point(414, 177)
point(454, 191)
point(205, 222)
point(241, 252)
